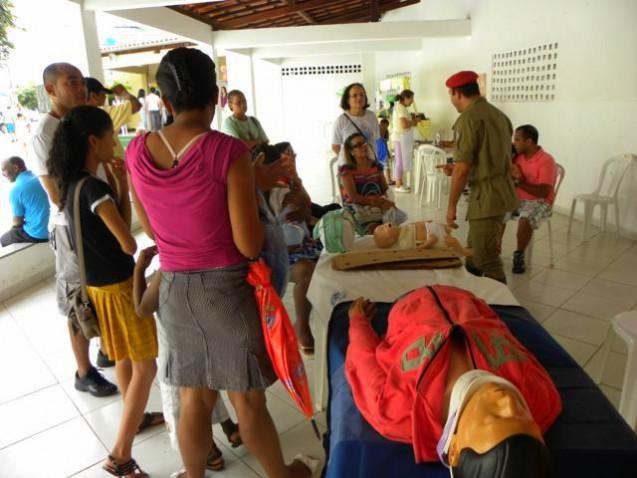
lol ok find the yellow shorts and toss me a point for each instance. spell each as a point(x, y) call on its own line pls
point(123, 334)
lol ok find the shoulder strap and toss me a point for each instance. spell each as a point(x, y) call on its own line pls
point(79, 246)
point(368, 140)
point(167, 144)
point(182, 151)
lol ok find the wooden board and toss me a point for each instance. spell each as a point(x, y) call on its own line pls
point(378, 258)
point(412, 265)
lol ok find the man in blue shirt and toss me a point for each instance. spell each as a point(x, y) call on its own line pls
point(29, 203)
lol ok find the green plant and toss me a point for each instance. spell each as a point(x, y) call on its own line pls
point(27, 98)
point(7, 20)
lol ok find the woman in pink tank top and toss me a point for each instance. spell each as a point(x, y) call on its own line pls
point(194, 192)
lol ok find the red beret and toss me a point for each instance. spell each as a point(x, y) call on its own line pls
point(461, 78)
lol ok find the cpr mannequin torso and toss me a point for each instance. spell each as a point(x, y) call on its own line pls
point(402, 382)
point(422, 234)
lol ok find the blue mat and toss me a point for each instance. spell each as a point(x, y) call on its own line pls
point(588, 440)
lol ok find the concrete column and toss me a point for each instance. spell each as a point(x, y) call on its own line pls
point(91, 44)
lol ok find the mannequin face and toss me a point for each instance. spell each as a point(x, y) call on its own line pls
point(386, 235)
point(492, 414)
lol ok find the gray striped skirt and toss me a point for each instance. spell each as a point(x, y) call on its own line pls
point(213, 331)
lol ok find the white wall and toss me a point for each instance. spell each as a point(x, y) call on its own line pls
point(310, 106)
point(25, 268)
point(593, 116)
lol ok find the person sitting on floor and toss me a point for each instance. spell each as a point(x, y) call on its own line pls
point(534, 173)
point(451, 379)
point(29, 203)
point(364, 188)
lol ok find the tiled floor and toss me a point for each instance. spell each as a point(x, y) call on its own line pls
point(47, 429)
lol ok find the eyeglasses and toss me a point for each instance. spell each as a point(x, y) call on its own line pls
point(357, 145)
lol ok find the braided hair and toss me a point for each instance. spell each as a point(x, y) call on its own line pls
point(187, 78)
point(70, 144)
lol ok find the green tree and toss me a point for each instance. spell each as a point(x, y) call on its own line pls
point(6, 22)
point(28, 98)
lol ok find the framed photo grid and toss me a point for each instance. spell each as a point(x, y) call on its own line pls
point(525, 75)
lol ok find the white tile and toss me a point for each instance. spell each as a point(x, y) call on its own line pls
point(610, 290)
point(84, 401)
point(614, 370)
point(105, 420)
point(562, 279)
point(580, 351)
point(580, 266)
point(543, 293)
point(33, 413)
point(300, 440)
point(616, 274)
point(540, 312)
point(613, 394)
point(157, 458)
point(25, 374)
point(587, 304)
point(576, 326)
point(55, 453)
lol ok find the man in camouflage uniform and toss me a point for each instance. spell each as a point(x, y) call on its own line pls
point(482, 158)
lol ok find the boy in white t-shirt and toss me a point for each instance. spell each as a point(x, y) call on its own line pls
point(65, 86)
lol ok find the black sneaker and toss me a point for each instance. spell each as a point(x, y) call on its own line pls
point(103, 361)
point(95, 384)
point(518, 262)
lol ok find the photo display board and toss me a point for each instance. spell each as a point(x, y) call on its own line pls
point(527, 74)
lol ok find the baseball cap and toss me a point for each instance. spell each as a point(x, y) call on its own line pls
point(95, 86)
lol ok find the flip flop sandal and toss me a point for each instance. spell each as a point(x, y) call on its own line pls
point(310, 462)
point(151, 419)
point(215, 461)
point(307, 351)
point(122, 469)
point(231, 429)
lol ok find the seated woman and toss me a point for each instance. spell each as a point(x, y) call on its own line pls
point(290, 204)
point(451, 379)
point(239, 125)
point(364, 188)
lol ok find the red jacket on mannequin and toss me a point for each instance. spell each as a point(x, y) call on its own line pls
point(399, 382)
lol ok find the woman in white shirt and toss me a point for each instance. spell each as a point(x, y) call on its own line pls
point(356, 118)
point(402, 137)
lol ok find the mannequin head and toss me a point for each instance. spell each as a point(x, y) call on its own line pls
point(490, 431)
point(386, 235)
point(494, 413)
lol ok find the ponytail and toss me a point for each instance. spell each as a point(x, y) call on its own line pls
point(70, 145)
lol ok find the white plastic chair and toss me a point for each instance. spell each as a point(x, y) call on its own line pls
point(558, 182)
point(625, 326)
point(336, 193)
point(430, 179)
point(606, 193)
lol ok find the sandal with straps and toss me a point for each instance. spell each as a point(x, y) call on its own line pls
point(122, 469)
point(231, 429)
point(215, 461)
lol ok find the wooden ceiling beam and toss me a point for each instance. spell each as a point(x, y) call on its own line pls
point(304, 15)
point(197, 16)
point(273, 13)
